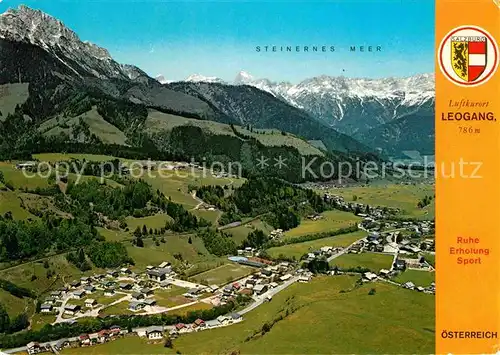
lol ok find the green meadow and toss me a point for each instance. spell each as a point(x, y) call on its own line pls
point(296, 250)
point(331, 220)
point(418, 277)
point(372, 261)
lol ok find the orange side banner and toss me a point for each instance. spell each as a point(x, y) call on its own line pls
point(467, 177)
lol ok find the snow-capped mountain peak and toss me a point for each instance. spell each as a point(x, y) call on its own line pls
point(37, 28)
point(243, 78)
point(344, 102)
point(162, 80)
point(198, 78)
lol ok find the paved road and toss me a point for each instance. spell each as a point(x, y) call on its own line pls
point(260, 299)
point(345, 250)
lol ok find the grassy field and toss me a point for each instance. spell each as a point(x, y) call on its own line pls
point(418, 277)
point(430, 258)
point(276, 138)
point(39, 320)
point(13, 305)
point(33, 275)
point(194, 307)
point(404, 197)
point(391, 321)
point(211, 216)
point(241, 232)
point(113, 235)
point(156, 221)
point(223, 274)
point(18, 178)
point(298, 249)
point(97, 125)
point(152, 254)
point(10, 202)
point(172, 297)
point(118, 309)
point(332, 220)
point(372, 261)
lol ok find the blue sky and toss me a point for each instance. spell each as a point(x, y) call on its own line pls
point(219, 38)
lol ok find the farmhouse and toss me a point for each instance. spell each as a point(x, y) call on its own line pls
point(150, 302)
point(181, 328)
point(78, 294)
point(46, 308)
point(28, 164)
point(158, 275)
point(138, 296)
point(75, 284)
point(112, 273)
point(164, 265)
point(236, 317)
point(72, 309)
point(400, 264)
point(260, 289)
point(84, 340)
point(125, 270)
point(135, 306)
point(146, 291)
point(125, 286)
point(90, 302)
point(154, 333)
point(61, 344)
point(409, 285)
point(369, 276)
point(384, 272)
point(34, 348)
point(304, 278)
point(85, 279)
point(89, 288)
point(199, 323)
point(223, 320)
point(56, 294)
point(109, 292)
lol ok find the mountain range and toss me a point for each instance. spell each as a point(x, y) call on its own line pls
point(60, 93)
point(391, 114)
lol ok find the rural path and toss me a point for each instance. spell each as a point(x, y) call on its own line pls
point(197, 199)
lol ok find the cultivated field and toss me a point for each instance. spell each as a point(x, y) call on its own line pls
point(298, 249)
point(331, 221)
point(371, 261)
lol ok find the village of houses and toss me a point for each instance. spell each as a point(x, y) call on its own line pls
point(138, 293)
